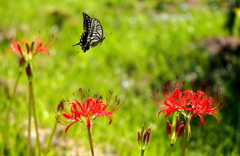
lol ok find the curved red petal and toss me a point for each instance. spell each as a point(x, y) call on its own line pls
point(69, 126)
point(202, 119)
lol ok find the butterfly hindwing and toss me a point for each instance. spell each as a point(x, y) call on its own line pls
point(83, 42)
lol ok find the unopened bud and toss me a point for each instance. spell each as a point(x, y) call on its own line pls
point(139, 137)
point(180, 129)
point(29, 70)
point(169, 128)
point(148, 137)
point(60, 106)
point(21, 61)
point(143, 137)
point(177, 122)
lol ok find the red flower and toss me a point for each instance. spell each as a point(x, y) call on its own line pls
point(200, 104)
point(16, 47)
point(30, 50)
point(89, 108)
point(40, 47)
point(188, 102)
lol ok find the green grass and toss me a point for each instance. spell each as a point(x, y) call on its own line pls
point(144, 48)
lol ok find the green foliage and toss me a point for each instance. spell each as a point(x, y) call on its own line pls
point(143, 49)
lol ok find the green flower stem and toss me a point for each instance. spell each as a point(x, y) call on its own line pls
point(142, 152)
point(170, 150)
point(187, 133)
point(6, 124)
point(90, 140)
point(51, 137)
point(29, 123)
point(32, 103)
point(174, 134)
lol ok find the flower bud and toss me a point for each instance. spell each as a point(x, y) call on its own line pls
point(169, 128)
point(139, 137)
point(180, 129)
point(148, 134)
point(177, 123)
point(29, 70)
point(143, 138)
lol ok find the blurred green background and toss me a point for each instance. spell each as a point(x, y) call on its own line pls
point(148, 42)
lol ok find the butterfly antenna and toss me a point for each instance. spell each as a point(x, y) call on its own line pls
point(109, 34)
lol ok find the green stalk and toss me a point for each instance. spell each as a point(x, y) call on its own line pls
point(170, 150)
point(187, 132)
point(51, 137)
point(31, 99)
point(142, 152)
point(29, 123)
point(7, 122)
point(90, 140)
point(173, 134)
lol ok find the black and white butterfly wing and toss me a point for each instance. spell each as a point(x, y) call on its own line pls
point(86, 22)
point(83, 42)
point(92, 35)
point(96, 33)
point(86, 28)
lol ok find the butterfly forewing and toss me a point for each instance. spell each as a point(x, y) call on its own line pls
point(86, 22)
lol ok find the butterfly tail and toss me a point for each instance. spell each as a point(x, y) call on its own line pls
point(76, 44)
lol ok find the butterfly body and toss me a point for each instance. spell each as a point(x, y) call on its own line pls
point(92, 35)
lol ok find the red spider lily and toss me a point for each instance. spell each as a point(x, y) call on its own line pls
point(89, 108)
point(188, 102)
point(30, 50)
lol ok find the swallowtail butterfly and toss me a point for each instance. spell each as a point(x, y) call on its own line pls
point(93, 33)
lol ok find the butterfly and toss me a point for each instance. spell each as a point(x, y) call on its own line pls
point(92, 35)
